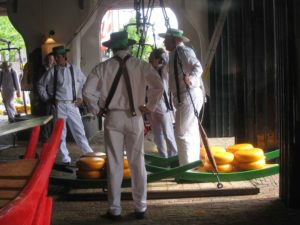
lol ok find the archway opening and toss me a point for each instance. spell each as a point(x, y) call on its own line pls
point(13, 50)
point(119, 19)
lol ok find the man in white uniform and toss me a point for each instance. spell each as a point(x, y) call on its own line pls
point(123, 126)
point(161, 118)
point(62, 85)
point(185, 71)
point(9, 84)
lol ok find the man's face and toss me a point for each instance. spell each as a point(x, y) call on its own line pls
point(61, 60)
point(169, 42)
point(51, 60)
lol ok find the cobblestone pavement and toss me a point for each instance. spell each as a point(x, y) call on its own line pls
point(261, 209)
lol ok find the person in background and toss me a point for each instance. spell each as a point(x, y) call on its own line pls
point(123, 125)
point(185, 73)
point(62, 86)
point(44, 108)
point(161, 118)
point(9, 85)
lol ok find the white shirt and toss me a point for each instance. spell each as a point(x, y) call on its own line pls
point(64, 89)
point(10, 80)
point(141, 73)
point(161, 106)
point(190, 65)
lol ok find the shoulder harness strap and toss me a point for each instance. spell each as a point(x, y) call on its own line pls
point(122, 70)
point(54, 83)
point(73, 83)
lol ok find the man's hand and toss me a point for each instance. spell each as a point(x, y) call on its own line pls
point(78, 102)
point(144, 109)
point(101, 113)
point(186, 79)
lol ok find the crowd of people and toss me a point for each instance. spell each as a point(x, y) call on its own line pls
point(117, 89)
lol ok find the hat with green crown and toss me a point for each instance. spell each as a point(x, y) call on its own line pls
point(118, 40)
point(59, 50)
point(172, 32)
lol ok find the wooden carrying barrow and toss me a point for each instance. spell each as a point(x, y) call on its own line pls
point(24, 184)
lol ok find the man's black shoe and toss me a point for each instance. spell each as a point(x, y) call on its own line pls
point(110, 216)
point(140, 215)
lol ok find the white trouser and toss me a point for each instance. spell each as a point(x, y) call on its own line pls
point(71, 115)
point(186, 127)
point(8, 101)
point(123, 130)
point(163, 134)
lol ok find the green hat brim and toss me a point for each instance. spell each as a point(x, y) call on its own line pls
point(118, 44)
point(183, 38)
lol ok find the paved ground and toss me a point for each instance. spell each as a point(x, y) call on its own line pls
point(260, 209)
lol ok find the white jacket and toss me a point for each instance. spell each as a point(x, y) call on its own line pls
point(141, 73)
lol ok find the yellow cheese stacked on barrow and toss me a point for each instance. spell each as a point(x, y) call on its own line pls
point(91, 165)
point(223, 160)
point(126, 173)
point(213, 148)
point(237, 147)
point(249, 159)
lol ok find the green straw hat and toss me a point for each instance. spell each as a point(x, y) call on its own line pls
point(59, 50)
point(118, 40)
point(171, 32)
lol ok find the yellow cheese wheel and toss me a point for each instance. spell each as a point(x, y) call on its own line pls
point(126, 164)
point(126, 174)
point(249, 155)
point(236, 147)
point(94, 154)
point(260, 164)
point(88, 174)
point(221, 168)
point(90, 163)
point(213, 149)
point(222, 157)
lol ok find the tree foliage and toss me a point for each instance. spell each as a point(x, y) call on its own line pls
point(132, 34)
point(9, 33)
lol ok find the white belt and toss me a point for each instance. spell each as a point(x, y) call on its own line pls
point(64, 101)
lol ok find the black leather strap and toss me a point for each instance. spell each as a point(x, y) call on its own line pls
point(165, 94)
point(129, 89)
point(176, 77)
point(122, 70)
point(54, 83)
point(73, 83)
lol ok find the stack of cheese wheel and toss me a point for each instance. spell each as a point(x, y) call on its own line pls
point(126, 173)
point(250, 159)
point(236, 147)
point(90, 165)
point(213, 148)
point(223, 160)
